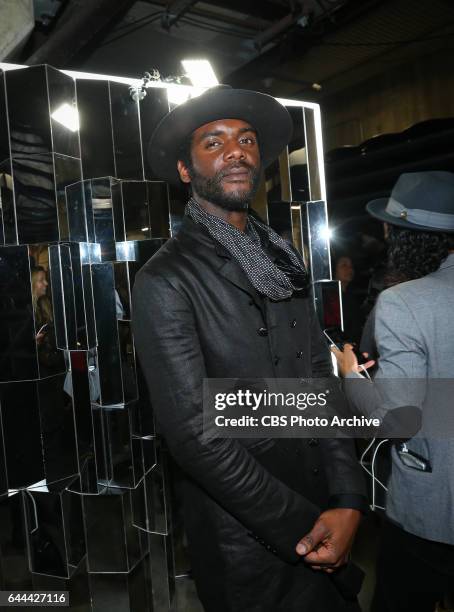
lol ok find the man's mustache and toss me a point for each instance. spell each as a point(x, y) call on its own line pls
point(252, 170)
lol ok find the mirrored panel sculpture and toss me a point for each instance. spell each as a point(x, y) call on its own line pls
point(84, 482)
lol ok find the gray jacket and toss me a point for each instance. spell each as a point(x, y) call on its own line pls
point(414, 331)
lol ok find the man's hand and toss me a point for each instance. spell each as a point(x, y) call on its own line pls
point(327, 545)
point(347, 362)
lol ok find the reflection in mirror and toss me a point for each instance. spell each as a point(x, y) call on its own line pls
point(126, 133)
point(34, 197)
point(122, 291)
point(297, 232)
point(328, 299)
point(153, 108)
point(54, 521)
point(18, 349)
point(15, 567)
point(108, 361)
point(28, 115)
point(8, 229)
point(297, 156)
point(280, 219)
point(112, 546)
point(63, 113)
point(313, 161)
point(96, 144)
point(57, 426)
point(23, 450)
point(318, 245)
point(4, 130)
point(67, 171)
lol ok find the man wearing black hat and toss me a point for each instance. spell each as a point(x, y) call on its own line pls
point(269, 522)
point(414, 334)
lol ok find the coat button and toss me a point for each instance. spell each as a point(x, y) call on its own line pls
point(313, 442)
point(293, 323)
point(299, 354)
point(262, 331)
point(276, 360)
point(315, 471)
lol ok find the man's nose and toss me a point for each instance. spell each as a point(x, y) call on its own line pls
point(233, 150)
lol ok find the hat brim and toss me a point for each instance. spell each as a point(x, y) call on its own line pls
point(376, 208)
point(263, 112)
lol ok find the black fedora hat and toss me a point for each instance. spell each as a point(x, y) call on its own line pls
point(264, 113)
point(419, 201)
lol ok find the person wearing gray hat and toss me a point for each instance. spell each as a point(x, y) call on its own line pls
point(414, 334)
point(269, 522)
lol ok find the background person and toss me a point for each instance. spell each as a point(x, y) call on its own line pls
point(415, 342)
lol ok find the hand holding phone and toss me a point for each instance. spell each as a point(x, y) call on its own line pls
point(337, 339)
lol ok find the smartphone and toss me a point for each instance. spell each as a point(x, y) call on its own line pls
point(411, 459)
point(337, 338)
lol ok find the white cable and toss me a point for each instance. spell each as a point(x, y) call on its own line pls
point(372, 473)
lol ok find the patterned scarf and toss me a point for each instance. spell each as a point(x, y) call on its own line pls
point(277, 280)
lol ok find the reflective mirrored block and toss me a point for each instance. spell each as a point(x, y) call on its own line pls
point(162, 566)
point(77, 585)
point(113, 543)
point(78, 387)
point(297, 155)
point(20, 411)
point(13, 543)
point(123, 290)
point(55, 529)
point(126, 133)
point(122, 447)
point(18, 350)
point(42, 112)
point(153, 108)
point(71, 284)
point(280, 219)
point(115, 358)
point(57, 429)
point(123, 592)
point(38, 183)
point(328, 303)
point(142, 209)
point(314, 156)
point(8, 229)
point(318, 236)
point(150, 501)
point(96, 140)
point(4, 128)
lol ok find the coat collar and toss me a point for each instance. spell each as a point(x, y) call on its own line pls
point(220, 257)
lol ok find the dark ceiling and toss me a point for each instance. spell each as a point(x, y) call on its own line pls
point(292, 48)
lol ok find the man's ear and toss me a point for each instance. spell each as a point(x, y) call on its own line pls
point(183, 171)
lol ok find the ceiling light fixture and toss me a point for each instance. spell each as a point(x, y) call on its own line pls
point(200, 73)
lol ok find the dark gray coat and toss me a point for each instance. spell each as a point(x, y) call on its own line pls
point(247, 502)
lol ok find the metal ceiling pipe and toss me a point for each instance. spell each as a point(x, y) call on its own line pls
point(277, 28)
point(80, 23)
point(175, 12)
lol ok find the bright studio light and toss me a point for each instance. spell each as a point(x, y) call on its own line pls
point(326, 233)
point(200, 72)
point(67, 116)
point(178, 94)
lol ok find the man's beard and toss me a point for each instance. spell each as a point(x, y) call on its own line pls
point(211, 189)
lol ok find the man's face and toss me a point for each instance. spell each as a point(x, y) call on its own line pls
point(225, 164)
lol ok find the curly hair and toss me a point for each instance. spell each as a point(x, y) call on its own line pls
point(413, 254)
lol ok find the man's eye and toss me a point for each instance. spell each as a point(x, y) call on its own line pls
point(248, 140)
point(212, 144)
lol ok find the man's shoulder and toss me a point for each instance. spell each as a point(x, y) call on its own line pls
point(176, 258)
